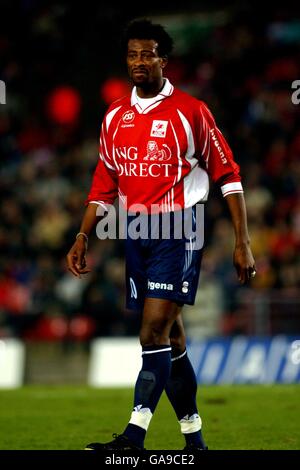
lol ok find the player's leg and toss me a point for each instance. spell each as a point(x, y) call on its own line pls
point(181, 388)
point(173, 267)
point(158, 317)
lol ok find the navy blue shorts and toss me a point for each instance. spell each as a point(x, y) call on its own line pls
point(165, 265)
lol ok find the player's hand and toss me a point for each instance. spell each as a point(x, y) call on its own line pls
point(76, 258)
point(244, 263)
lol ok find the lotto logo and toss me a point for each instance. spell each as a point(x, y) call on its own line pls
point(185, 287)
point(133, 293)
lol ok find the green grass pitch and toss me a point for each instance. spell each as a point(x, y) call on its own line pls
point(68, 417)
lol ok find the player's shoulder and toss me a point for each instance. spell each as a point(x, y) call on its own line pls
point(118, 104)
point(116, 109)
point(188, 101)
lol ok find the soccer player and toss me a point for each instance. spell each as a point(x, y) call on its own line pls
point(158, 149)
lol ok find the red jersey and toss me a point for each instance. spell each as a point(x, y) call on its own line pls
point(163, 154)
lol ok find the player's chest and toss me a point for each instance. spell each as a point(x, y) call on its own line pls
point(149, 137)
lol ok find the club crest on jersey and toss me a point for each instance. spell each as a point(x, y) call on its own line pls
point(128, 116)
point(155, 153)
point(159, 128)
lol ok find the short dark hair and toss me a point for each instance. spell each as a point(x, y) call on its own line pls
point(143, 28)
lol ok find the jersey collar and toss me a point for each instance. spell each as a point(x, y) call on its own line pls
point(164, 93)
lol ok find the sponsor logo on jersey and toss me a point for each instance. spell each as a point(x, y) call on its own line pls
point(159, 285)
point(154, 153)
point(155, 162)
point(128, 116)
point(159, 128)
point(219, 148)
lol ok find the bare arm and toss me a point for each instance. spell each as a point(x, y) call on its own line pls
point(242, 257)
point(76, 258)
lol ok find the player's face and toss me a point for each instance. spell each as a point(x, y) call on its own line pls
point(144, 64)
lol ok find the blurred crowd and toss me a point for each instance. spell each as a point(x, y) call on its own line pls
point(243, 67)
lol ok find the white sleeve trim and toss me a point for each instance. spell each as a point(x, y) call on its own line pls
point(231, 188)
point(100, 203)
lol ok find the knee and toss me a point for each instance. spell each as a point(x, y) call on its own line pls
point(155, 333)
